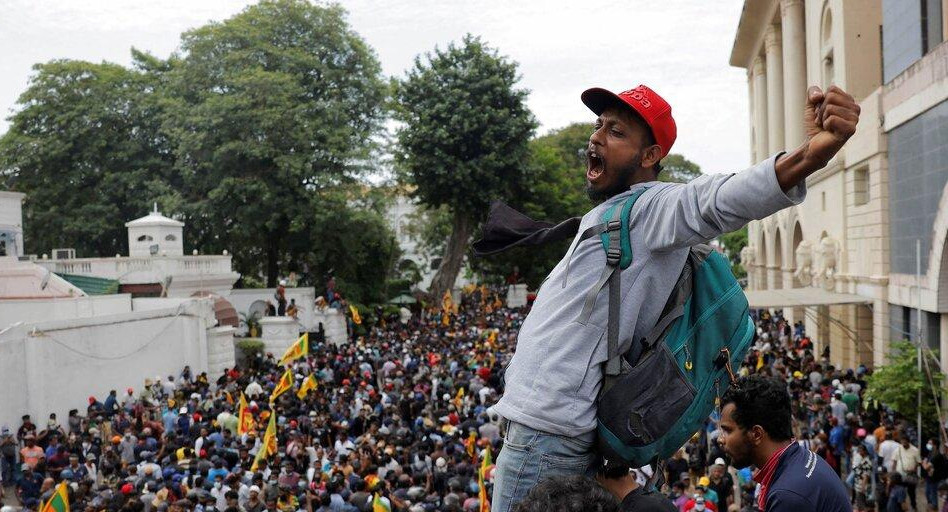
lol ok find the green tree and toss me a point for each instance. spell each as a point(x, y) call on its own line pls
point(733, 242)
point(897, 384)
point(264, 110)
point(463, 138)
point(85, 146)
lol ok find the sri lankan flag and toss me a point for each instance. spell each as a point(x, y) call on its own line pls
point(471, 445)
point(378, 505)
point(306, 386)
point(296, 350)
point(269, 446)
point(355, 315)
point(481, 476)
point(459, 399)
point(59, 501)
point(286, 382)
point(244, 417)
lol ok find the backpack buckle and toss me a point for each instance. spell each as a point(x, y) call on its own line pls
point(613, 256)
point(613, 225)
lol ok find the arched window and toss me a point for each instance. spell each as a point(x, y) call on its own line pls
point(170, 238)
point(145, 238)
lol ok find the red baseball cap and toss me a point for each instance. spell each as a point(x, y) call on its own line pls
point(652, 108)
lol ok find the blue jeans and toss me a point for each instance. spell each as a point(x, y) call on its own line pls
point(529, 456)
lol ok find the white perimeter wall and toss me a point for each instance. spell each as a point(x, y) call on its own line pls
point(40, 310)
point(55, 366)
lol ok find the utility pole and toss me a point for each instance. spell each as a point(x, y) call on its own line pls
point(918, 327)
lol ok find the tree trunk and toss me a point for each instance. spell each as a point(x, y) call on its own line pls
point(453, 256)
point(273, 270)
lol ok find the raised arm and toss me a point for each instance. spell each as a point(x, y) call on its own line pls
point(683, 215)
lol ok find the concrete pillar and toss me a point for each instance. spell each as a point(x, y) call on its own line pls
point(794, 71)
point(760, 108)
point(279, 332)
point(751, 122)
point(775, 104)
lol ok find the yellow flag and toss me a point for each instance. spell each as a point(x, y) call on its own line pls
point(296, 350)
point(447, 304)
point(355, 315)
point(269, 446)
point(244, 417)
point(459, 399)
point(286, 382)
point(760, 362)
point(306, 386)
point(471, 444)
point(445, 319)
point(378, 505)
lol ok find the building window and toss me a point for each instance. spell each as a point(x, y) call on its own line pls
point(861, 186)
point(931, 21)
point(170, 238)
point(3, 248)
point(145, 238)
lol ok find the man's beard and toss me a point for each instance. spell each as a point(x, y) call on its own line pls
point(743, 458)
point(619, 186)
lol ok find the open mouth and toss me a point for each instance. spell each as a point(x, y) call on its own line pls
point(594, 165)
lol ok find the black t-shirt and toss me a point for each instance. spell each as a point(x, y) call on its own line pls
point(724, 488)
point(641, 501)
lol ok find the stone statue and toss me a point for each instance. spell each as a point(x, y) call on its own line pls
point(804, 258)
point(747, 256)
point(827, 257)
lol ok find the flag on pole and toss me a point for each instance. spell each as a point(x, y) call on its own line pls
point(355, 315)
point(459, 399)
point(306, 386)
point(296, 350)
point(59, 501)
point(269, 446)
point(286, 382)
point(481, 477)
point(244, 417)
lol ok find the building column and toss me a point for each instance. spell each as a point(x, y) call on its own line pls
point(775, 105)
point(751, 122)
point(794, 71)
point(760, 108)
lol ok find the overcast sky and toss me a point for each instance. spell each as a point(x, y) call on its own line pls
point(680, 48)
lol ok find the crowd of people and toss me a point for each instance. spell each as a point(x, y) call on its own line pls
point(401, 419)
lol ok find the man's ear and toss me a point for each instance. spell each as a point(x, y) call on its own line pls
point(651, 156)
point(756, 434)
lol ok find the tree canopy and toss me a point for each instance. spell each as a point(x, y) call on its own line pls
point(463, 138)
point(254, 134)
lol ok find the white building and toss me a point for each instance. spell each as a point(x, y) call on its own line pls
point(156, 265)
point(58, 345)
point(844, 260)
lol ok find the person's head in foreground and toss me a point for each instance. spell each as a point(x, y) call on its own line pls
point(574, 493)
point(634, 131)
point(755, 420)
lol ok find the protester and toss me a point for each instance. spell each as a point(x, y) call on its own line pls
point(755, 421)
point(555, 376)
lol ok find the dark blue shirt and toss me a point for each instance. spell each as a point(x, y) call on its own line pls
point(803, 481)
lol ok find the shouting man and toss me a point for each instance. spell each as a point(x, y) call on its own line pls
point(555, 375)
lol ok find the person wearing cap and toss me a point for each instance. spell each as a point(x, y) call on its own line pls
point(700, 503)
point(704, 488)
point(721, 483)
point(556, 372)
point(756, 430)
